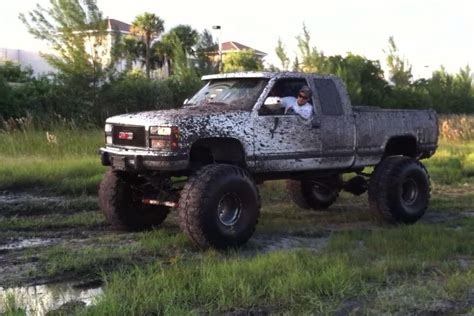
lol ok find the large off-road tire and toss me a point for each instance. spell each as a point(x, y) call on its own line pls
point(315, 194)
point(122, 206)
point(219, 206)
point(399, 190)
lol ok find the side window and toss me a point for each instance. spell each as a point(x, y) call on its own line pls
point(284, 88)
point(329, 97)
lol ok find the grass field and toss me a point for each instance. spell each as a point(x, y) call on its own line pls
point(299, 262)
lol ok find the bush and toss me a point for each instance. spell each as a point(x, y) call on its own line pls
point(133, 95)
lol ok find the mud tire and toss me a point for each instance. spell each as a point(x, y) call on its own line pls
point(399, 190)
point(219, 207)
point(121, 206)
point(314, 194)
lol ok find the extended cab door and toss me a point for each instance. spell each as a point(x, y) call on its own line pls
point(337, 123)
point(285, 142)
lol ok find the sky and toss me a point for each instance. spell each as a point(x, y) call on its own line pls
point(428, 33)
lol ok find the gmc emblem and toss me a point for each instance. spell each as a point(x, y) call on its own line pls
point(125, 135)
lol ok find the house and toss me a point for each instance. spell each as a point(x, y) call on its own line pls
point(26, 59)
point(115, 30)
point(103, 50)
point(233, 46)
point(38, 64)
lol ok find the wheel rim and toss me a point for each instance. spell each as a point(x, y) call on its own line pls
point(229, 209)
point(409, 191)
point(321, 192)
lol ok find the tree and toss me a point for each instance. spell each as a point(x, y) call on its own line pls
point(281, 54)
point(451, 93)
point(75, 29)
point(204, 47)
point(245, 60)
point(311, 59)
point(128, 48)
point(363, 77)
point(184, 80)
point(13, 72)
point(164, 50)
point(399, 68)
point(148, 27)
point(186, 35)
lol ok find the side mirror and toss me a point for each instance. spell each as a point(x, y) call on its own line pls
point(272, 103)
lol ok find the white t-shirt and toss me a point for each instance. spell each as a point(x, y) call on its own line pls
point(305, 110)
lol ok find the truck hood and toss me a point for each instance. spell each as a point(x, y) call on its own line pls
point(175, 116)
point(194, 122)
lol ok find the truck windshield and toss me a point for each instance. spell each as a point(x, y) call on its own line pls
point(241, 93)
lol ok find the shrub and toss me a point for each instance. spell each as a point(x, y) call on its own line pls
point(134, 94)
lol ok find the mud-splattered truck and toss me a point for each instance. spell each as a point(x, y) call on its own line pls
point(205, 159)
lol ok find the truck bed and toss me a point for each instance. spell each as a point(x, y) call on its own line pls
point(376, 127)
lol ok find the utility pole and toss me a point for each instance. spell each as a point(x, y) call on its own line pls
point(218, 27)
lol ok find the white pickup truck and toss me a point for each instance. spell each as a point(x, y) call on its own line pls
point(205, 158)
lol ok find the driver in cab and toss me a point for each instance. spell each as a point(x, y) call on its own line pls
point(299, 105)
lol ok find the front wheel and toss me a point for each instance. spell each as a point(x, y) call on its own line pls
point(399, 190)
point(219, 206)
point(121, 203)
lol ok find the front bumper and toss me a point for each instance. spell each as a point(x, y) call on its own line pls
point(137, 160)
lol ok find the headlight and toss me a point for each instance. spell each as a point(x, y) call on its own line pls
point(108, 140)
point(108, 128)
point(160, 130)
point(164, 138)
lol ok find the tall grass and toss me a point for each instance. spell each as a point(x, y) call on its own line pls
point(63, 159)
point(54, 144)
point(453, 162)
point(456, 127)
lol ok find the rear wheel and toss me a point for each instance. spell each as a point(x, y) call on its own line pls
point(121, 203)
point(219, 206)
point(399, 190)
point(314, 194)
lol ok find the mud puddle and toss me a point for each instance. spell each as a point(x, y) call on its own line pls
point(8, 197)
point(41, 299)
point(34, 203)
point(277, 243)
point(27, 243)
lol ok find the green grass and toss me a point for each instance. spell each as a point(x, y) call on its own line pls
point(112, 252)
point(356, 265)
point(69, 175)
point(279, 281)
point(452, 163)
point(61, 143)
point(68, 163)
point(11, 306)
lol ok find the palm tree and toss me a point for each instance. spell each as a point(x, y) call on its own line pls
point(149, 27)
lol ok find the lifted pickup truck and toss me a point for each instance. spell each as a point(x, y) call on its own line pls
point(205, 158)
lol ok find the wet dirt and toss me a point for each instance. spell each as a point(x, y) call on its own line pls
point(22, 276)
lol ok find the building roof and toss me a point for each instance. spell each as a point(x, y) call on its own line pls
point(116, 25)
point(235, 46)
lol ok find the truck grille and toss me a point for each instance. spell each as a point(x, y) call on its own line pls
point(135, 134)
